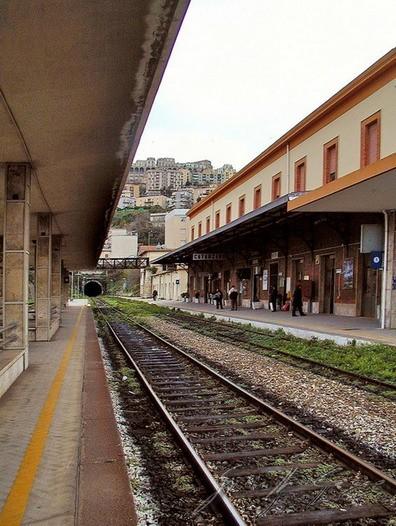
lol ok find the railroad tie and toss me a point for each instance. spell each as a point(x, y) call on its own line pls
point(287, 490)
point(325, 516)
point(238, 455)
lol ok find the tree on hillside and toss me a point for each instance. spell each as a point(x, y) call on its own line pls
point(138, 220)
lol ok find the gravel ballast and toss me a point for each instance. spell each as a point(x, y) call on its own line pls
point(367, 420)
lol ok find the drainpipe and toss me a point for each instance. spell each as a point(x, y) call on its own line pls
point(384, 276)
point(288, 167)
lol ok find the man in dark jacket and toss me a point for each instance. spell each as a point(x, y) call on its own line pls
point(273, 299)
point(218, 297)
point(297, 302)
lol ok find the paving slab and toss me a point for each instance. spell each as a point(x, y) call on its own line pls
point(57, 488)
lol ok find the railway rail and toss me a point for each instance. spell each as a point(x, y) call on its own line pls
point(259, 465)
point(239, 335)
point(229, 333)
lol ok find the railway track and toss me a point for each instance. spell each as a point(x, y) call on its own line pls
point(229, 333)
point(240, 335)
point(259, 465)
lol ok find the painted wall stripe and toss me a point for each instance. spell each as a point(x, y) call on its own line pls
point(15, 506)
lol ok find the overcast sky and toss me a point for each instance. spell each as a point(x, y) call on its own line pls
point(243, 72)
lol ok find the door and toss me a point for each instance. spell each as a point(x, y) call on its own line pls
point(256, 287)
point(206, 289)
point(329, 284)
point(298, 270)
point(370, 288)
point(273, 281)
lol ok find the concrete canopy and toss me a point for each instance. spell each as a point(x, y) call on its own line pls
point(78, 80)
point(231, 233)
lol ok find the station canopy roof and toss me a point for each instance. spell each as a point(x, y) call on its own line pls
point(78, 80)
point(370, 189)
point(230, 236)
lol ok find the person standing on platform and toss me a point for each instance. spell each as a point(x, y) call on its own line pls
point(273, 299)
point(218, 297)
point(155, 294)
point(233, 295)
point(297, 303)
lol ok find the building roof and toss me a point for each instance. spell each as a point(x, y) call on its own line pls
point(376, 76)
point(78, 80)
point(177, 212)
point(143, 249)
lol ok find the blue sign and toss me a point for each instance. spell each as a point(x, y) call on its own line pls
point(376, 260)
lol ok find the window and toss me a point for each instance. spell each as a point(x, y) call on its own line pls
point(276, 186)
point(200, 229)
point(217, 219)
point(207, 225)
point(299, 175)
point(228, 213)
point(241, 205)
point(330, 161)
point(192, 233)
point(257, 197)
point(370, 139)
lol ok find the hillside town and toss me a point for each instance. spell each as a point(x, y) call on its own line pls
point(169, 184)
point(151, 219)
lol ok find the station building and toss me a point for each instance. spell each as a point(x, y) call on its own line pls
point(316, 207)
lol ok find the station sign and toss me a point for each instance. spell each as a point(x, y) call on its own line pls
point(207, 257)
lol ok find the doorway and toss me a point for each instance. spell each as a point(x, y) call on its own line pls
point(329, 284)
point(273, 276)
point(206, 289)
point(371, 289)
point(298, 271)
point(256, 287)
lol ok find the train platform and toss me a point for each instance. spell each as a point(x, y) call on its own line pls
point(61, 460)
point(341, 329)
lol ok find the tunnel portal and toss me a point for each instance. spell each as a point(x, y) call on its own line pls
point(93, 289)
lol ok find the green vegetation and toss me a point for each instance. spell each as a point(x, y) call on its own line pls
point(131, 380)
point(373, 360)
point(162, 445)
point(136, 309)
point(138, 220)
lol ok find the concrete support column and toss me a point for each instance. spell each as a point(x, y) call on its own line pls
point(16, 245)
point(43, 277)
point(390, 277)
point(56, 279)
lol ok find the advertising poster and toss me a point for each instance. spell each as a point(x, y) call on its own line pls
point(348, 273)
point(265, 279)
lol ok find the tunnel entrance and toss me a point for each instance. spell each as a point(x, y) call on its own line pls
point(93, 289)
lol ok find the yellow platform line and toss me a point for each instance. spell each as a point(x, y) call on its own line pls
point(14, 508)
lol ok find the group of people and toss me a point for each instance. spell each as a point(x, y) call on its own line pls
point(217, 297)
point(296, 303)
point(232, 295)
point(274, 299)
